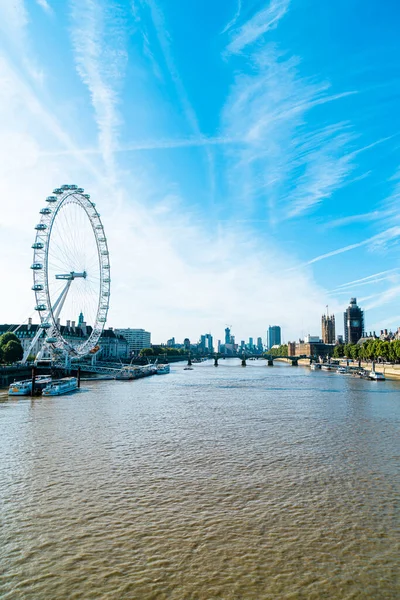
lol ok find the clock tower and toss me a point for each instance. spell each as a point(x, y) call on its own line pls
point(353, 322)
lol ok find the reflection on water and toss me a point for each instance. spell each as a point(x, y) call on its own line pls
point(223, 482)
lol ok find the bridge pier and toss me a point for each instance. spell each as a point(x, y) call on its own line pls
point(216, 361)
point(270, 362)
point(295, 362)
point(243, 362)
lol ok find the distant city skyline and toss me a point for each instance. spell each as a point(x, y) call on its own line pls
point(253, 182)
point(328, 332)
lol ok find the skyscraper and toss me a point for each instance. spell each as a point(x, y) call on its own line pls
point(328, 328)
point(227, 335)
point(273, 336)
point(209, 343)
point(353, 322)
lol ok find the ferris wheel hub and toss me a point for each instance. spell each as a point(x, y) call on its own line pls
point(72, 275)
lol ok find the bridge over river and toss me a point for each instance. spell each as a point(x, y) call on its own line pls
point(108, 370)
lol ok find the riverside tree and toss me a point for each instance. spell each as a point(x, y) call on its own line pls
point(380, 350)
point(281, 351)
point(10, 348)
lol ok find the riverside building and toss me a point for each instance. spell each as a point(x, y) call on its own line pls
point(137, 339)
point(112, 345)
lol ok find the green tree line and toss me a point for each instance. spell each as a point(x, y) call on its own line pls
point(158, 350)
point(281, 351)
point(370, 350)
point(10, 348)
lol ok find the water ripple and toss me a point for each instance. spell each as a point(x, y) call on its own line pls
point(223, 483)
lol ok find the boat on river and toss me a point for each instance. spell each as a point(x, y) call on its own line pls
point(315, 366)
point(24, 387)
point(130, 372)
point(341, 371)
point(163, 369)
point(326, 367)
point(376, 376)
point(58, 387)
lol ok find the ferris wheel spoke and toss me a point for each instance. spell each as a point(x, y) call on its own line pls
point(69, 231)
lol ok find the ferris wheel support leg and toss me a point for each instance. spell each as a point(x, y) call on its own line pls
point(32, 344)
point(57, 305)
point(67, 363)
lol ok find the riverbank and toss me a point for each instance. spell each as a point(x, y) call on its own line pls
point(389, 371)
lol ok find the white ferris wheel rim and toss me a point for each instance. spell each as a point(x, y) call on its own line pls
point(68, 194)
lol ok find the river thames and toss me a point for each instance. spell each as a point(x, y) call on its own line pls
point(218, 483)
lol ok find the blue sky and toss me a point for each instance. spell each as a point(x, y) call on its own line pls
point(245, 155)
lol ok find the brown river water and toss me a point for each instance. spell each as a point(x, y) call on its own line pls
point(218, 483)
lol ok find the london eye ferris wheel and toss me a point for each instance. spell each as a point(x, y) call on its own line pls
point(71, 273)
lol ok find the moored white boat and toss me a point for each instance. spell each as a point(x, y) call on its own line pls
point(376, 376)
point(326, 367)
point(341, 371)
point(20, 388)
point(128, 373)
point(24, 388)
point(163, 369)
point(315, 366)
point(61, 386)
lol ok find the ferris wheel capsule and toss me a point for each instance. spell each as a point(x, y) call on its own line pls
point(40, 307)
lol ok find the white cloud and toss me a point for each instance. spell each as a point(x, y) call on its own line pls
point(156, 144)
point(14, 29)
point(165, 43)
point(374, 215)
point(383, 298)
point(98, 41)
point(283, 157)
point(369, 279)
point(46, 6)
point(376, 242)
point(258, 25)
point(235, 18)
point(13, 18)
point(169, 274)
point(173, 289)
point(160, 279)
